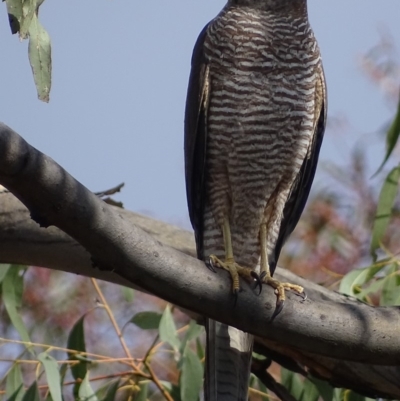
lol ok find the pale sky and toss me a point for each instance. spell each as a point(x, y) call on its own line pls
point(120, 71)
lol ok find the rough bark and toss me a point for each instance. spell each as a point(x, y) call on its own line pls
point(332, 336)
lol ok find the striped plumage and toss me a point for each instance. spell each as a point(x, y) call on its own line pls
point(254, 122)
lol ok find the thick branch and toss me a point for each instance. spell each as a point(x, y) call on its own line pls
point(328, 324)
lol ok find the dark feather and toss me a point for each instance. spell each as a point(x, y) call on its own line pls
point(196, 139)
point(301, 188)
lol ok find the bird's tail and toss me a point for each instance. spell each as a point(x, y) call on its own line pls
point(227, 363)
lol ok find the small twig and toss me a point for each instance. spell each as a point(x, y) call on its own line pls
point(73, 382)
point(162, 389)
point(115, 325)
point(110, 191)
point(151, 349)
point(29, 361)
point(67, 350)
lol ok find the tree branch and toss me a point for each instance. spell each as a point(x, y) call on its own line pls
point(327, 332)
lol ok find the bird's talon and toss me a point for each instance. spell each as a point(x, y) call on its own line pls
point(303, 295)
point(210, 265)
point(278, 309)
point(258, 281)
point(235, 295)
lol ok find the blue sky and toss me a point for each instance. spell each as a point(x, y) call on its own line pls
point(120, 71)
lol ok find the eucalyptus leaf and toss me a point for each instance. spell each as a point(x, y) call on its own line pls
point(111, 393)
point(352, 281)
point(326, 391)
point(193, 331)
point(191, 378)
point(384, 209)
point(392, 137)
point(86, 392)
point(28, 11)
point(76, 341)
point(14, 10)
point(12, 289)
point(39, 51)
point(32, 394)
point(391, 287)
point(310, 391)
point(167, 329)
point(142, 395)
point(53, 376)
point(14, 384)
point(147, 320)
point(292, 382)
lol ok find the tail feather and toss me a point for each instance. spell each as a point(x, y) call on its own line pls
point(227, 363)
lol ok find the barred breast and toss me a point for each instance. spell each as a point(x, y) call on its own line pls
point(261, 119)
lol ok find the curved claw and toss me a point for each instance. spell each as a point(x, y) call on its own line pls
point(210, 265)
point(235, 294)
point(258, 281)
point(278, 309)
point(303, 295)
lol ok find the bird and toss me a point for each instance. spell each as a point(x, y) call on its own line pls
point(255, 118)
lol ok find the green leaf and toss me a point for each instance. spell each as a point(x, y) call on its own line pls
point(262, 387)
point(147, 320)
point(338, 394)
point(324, 388)
point(76, 341)
point(128, 294)
point(199, 349)
point(373, 288)
point(352, 281)
point(3, 271)
point(193, 331)
point(292, 383)
point(350, 395)
point(167, 329)
point(191, 378)
point(176, 393)
point(49, 397)
point(391, 287)
point(32, 393)
point(14, 384)
point(28, 11)
point(52, 374)
point(63, 371)
point(384, 209)
point(142, 395)
point(14, 10)
point(86, 392)
point(39, 51)
point(392, 137)
point(13, 286)
point(111, 391)
point(310, 391)
point(167, 385)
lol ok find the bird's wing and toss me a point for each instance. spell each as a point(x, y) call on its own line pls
point(302, 185)
point(229, 350)
point(196, 138)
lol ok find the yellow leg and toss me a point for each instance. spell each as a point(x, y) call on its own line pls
point(266, 278)
point(229, 264)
